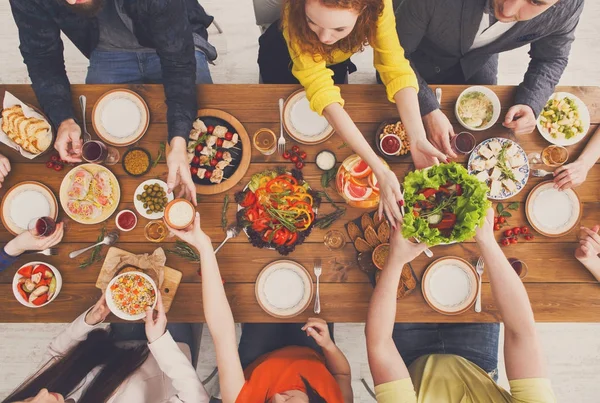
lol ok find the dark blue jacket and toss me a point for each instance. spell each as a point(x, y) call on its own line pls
point(164, 25)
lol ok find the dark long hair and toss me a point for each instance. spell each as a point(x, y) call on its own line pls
point(65, 374)
point(313, 395)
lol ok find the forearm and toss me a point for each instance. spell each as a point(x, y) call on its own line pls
point(336, 361)
point(507, 288)
point(408, 108)
point(593, 267)
point(345, 127)
point(591, 152)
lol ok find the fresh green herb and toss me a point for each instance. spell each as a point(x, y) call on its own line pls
point(505, 214)
point(500, 208)
point(197, 197)
point(506, 171)
point(513, 206)
point(185, 251)
point(161, 152)
point(344, 145)
point(95, 256)
point(327, 177)
point(328, 219)
point(224, 213)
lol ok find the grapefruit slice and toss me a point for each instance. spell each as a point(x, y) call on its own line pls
point(361, 170)
point(373, 182)
point(366, 204)
point(357, 193)
point(350, 162)
point(339, 180)
point(363, 182)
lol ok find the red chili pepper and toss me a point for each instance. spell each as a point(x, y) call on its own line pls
point(428, 192)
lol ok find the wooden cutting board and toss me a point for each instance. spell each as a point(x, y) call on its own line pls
point(170, 283)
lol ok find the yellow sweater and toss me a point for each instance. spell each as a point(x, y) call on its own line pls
point(388, 59)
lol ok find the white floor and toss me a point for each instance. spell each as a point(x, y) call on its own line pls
point(572, 350)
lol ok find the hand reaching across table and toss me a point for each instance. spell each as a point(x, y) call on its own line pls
point(424, 154)
point(179, 171)
point(440, 131)
point(4, 168)
point(27, 241)
point(401, 249)
point(589, 249)
point(68, 141)
point(98, 313)
point(193, 234)
point(155, 325)
point(520, 119)
point(575, 173)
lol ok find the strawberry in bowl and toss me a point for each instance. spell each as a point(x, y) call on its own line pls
point(36, 284)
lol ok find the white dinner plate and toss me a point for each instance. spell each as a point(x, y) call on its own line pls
point(25, 202)
point(139, 206)
point(302, 123)
point(584, 114)
point(284, 289)
point(450, 285)
point(551, 212)
point(120, 117)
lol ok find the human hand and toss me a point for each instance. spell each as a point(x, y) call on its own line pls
point(440, 131)
point(155, 326)
point(424, 154)
point(520, 119)
point(68, 141)
point(98, 313)
point(390, 195)
point(193, 234)
point(4, 168)
point(27, 241)
point(589, 244)
point(485, 232)
point(318, 330)
point(571, 175)
point(401, 249)
point(179, 171)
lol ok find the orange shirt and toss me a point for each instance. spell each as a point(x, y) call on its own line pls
point(281, 370)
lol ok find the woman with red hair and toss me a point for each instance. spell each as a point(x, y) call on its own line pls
point(312, 45)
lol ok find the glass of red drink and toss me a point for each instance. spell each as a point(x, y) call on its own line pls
point(463, 143)
point(42, 227)
point(97, 152)
point(519, 266)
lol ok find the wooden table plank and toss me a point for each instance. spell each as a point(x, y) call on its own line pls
point(339, 302)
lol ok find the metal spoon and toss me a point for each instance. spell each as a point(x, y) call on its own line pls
point(232, 232)
point(438, 95)
point(82, 102)
point(108, 240)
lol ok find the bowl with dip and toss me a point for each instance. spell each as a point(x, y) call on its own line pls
point(179, 214)
point(391, 140)
point(450, 285)
point(302, 123)
point(325, 160)
point(126, 220)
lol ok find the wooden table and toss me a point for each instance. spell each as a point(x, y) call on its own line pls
point(559, 287)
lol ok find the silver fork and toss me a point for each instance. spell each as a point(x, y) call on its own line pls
point(46, 252)
point(540, 173)
point(281, 141)
point(479, 269)
point(318, 272)
point(82, 102)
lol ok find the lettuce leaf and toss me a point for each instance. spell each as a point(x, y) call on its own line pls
point(255, 180)
point(470, 207)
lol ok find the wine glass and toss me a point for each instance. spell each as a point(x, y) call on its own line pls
point(463, 143)
point(552, 156)
point(519, 266)
point(97, 152)
point(42, 227)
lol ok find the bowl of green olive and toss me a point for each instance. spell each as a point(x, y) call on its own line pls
point(151, 198)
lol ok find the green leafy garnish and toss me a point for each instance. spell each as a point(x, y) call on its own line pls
point(224, 212)
point(161, 152)
point(327, 177)
point(95, 256)
point(470, 207)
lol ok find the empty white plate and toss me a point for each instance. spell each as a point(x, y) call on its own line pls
point(302, 123)
point(284, 289)
point(26, 201)
point(120, 117)
point(551, 212)
point(450, 285)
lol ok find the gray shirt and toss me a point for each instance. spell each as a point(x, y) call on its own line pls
point(116, 30)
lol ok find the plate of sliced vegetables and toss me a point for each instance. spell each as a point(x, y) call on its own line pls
point(444, 204)
point(277, 210)
point(565, 120)
point(36, 284)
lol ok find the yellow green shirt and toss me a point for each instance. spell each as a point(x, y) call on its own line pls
point(388, 58)
point(442, 378)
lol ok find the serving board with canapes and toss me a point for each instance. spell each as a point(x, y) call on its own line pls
point(120, 117)
point(25, 202)
point(218, 151)
point(450, 285)
point(89, 193)
point(370, 237)
point(284, 289)
point(551, 212)
point(303, 124)
point(169, 286)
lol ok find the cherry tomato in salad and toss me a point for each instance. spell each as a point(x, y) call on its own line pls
point(193, 171)
point(303, 155)
point(524, 230)
point(295, 149)
point(196, 160)
point(286, 155)
point(299, 164)
point(516, 230)
point(220, 142)
point(207, 174)
point(219, 155)
point(210, 129)
point(508, 233)
point(228, 136)
point(505, 242)
point(292, 239)
point(199, 147)
point(214, 162)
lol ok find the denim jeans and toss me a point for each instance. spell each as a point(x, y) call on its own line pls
point(476, 342)
point(262, 338)
point(135, 68)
